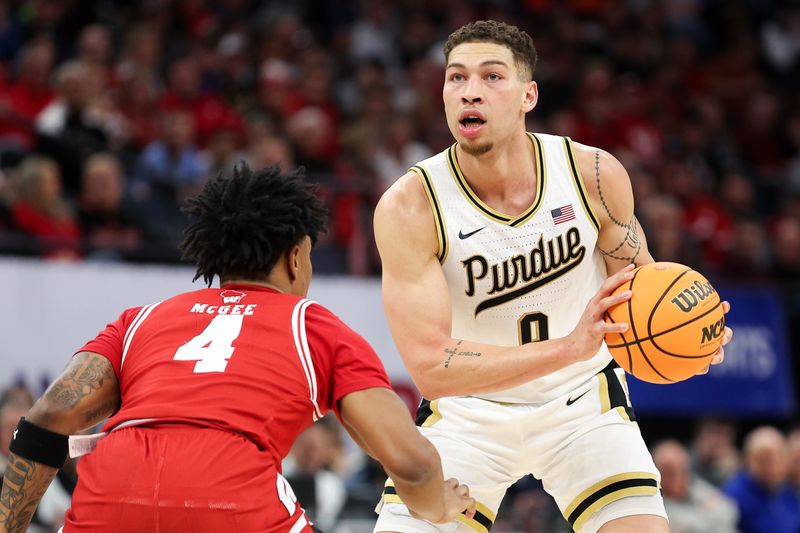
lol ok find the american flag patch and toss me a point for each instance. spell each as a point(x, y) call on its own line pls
point(562, 214)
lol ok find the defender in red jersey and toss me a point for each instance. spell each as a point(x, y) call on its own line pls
point(205, 392)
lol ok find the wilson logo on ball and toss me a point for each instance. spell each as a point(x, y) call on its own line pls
point(671, 309)
point(713, 331)
point(690, 297)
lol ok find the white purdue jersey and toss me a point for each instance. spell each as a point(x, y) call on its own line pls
point(523, 278)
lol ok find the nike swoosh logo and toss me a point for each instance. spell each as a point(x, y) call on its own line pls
point(570, 401)
point(462, 235)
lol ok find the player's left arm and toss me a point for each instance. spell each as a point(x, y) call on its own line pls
point(83, 395)
point(621, 240)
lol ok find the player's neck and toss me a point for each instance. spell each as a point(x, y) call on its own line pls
point(503, 177)
point(270, 284)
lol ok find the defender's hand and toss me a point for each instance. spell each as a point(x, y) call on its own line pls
point(456, 502)
point(588, 335)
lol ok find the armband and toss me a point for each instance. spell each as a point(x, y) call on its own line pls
point(39, 444)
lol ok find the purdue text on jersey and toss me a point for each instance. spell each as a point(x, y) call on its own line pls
point(521, 274)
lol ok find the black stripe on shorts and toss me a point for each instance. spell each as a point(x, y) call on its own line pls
point(609, 489)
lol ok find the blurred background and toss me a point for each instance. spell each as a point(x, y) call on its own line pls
point(113, 112)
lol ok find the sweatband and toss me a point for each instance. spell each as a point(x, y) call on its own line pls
point(39, 444)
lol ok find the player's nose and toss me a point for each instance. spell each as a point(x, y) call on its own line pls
point(472, 92)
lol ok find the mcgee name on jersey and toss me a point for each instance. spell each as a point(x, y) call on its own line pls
point(224, 309)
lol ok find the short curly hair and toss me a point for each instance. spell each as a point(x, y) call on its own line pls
point(242, 223)
point(492, 31)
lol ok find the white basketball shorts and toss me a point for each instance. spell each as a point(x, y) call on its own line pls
point(585, 447)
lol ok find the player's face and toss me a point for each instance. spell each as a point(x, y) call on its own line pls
point(485, 96)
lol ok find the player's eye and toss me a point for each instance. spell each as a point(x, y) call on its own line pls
point(457, 77)
point(493, 77)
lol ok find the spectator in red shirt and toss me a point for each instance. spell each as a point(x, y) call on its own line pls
point(206, 391)
point(27, 96)
point(41, 211)
point(314, 91)
point(138, 104)
point(184, 92)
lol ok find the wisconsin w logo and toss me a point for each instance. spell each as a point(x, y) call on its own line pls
point(232, 297)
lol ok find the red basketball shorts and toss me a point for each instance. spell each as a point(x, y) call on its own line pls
point(181, 478)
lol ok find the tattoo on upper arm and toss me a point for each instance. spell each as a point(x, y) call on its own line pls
point(25, 482)
point(83, 376)
point(452, 352)
point(631, 239)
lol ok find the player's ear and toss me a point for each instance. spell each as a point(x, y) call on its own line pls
point(531, 96)
point(293, 262)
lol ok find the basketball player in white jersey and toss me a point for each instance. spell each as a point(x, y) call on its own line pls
point(503, 239)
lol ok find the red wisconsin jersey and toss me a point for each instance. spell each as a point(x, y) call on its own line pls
point(242, 358)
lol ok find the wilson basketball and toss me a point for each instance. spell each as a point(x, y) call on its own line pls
point(676, 323)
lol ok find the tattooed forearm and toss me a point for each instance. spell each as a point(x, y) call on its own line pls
point(452, 352)
point(101, 412)
point(85, 393)
point(83, 376)
point(24, 484)
point(631, 245)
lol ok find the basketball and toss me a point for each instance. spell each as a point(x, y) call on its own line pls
point(676, 323)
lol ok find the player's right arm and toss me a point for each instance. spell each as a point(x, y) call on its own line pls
point(417, 305)
point(83, 395)
point(379, 422)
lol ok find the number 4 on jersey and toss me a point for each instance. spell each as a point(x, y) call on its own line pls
point(214, 346)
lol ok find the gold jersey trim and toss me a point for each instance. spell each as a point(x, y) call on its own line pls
point(433, 199)
point(605, 401)
point(580, 186)
point(474, 199)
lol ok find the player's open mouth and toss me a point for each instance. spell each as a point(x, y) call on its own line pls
point(472, 121)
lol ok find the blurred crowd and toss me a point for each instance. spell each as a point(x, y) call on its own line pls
point(111, 113)
point(720, 480)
